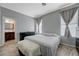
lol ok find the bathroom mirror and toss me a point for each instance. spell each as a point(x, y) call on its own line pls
point(9, 26)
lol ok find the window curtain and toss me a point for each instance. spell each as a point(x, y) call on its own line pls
point(67, 16)
point(37, 23)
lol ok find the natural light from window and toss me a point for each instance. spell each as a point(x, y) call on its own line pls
point(72, 25)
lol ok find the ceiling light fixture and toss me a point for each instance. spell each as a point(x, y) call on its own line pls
point(43, 4)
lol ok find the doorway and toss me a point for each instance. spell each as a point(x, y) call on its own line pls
point(9, 29)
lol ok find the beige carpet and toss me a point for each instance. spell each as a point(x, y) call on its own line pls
point(9, 49)
point(64, 50)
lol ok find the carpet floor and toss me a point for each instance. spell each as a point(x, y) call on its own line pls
point(9, 49)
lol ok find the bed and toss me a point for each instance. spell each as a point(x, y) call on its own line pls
point(48, 43)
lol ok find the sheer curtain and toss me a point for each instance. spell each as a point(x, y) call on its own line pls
point(38, 25)
point(67, 16)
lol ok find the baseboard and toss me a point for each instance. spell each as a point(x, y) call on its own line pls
point(68, 45)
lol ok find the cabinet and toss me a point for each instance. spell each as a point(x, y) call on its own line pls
point(9, 36)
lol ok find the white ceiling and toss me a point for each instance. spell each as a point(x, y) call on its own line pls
point(33, 9)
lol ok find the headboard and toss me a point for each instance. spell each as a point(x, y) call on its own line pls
point(24, 34)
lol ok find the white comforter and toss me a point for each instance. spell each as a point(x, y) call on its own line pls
point(46, 41)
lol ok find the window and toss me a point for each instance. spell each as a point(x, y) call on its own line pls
point(39, 27)
point(72, 25)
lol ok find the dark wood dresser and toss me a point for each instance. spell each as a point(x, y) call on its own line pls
point(9, 36)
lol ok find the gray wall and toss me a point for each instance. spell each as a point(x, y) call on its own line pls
point(51, 23)
point(23, 23)
point(0, 25)
point(1, 29)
